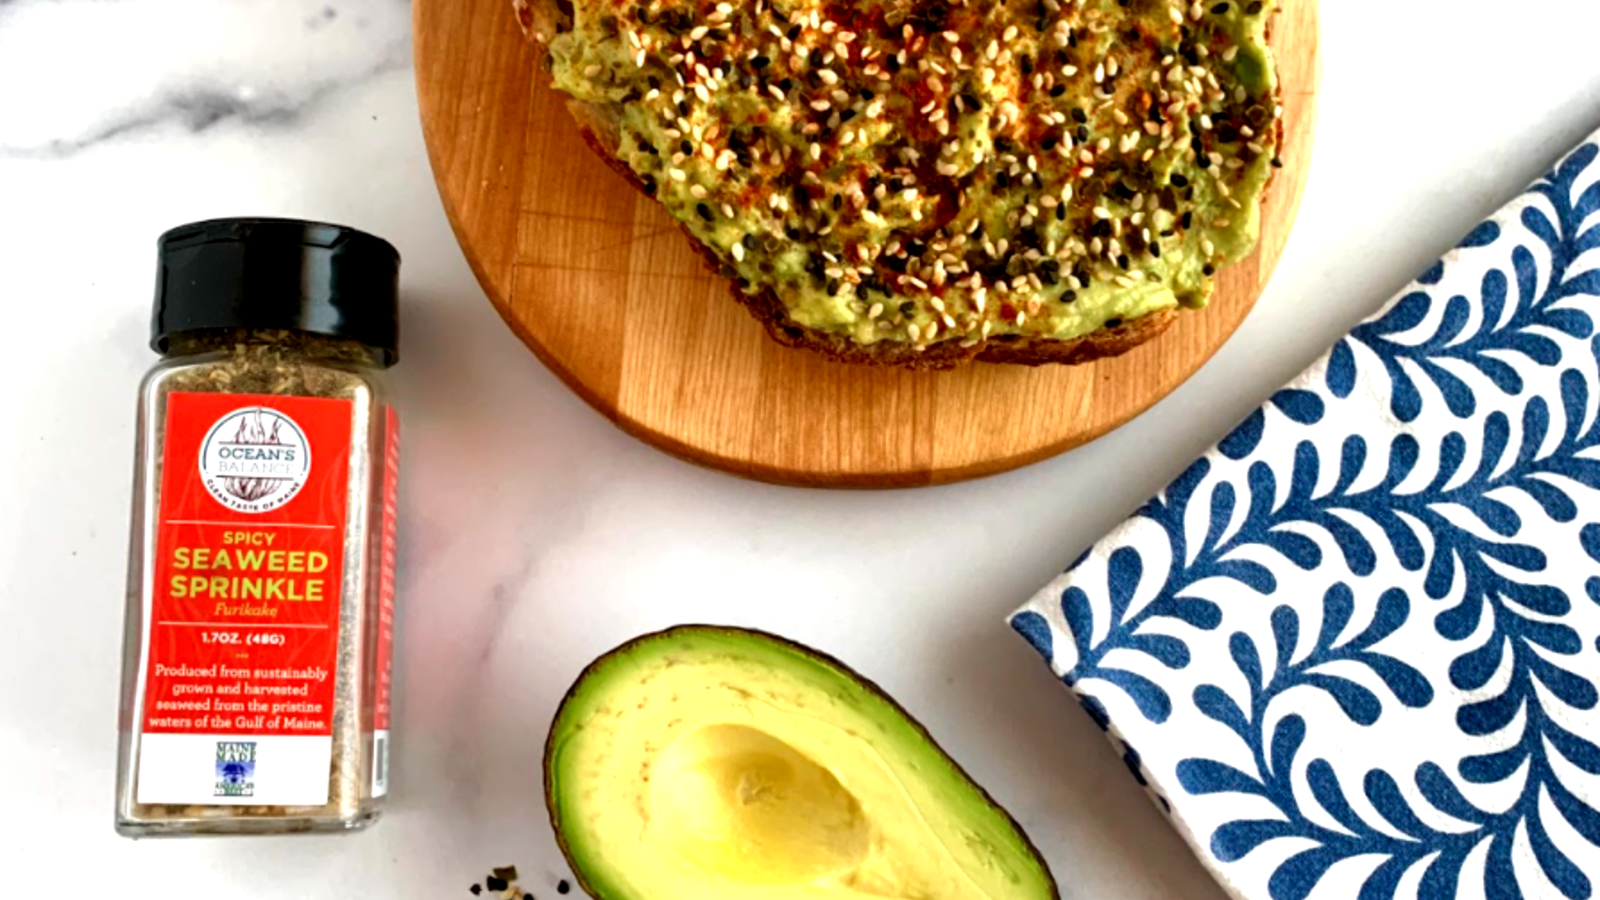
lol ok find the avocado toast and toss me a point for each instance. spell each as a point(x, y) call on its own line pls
point(925, 183)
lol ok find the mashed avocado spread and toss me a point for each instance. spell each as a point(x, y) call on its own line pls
point(935, 171)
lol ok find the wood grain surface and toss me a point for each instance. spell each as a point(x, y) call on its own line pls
point(599, 282)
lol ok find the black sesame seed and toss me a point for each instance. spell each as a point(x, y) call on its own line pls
point(563, 888)
point(833, 287)
point(1155, 250)
point(1187, 221)
point(1083, 133)
point(1254, 8)
point(1079, 116)
point(1027, 65)
point(907, 308)
point(1220, 9)
point(1277, 163)
point(1179, 181)
point(495, 884)
point(1003, 180)
point(476, 889)
point(760, 62)
point(1209, 269)
point(649, 184)
point(685, 147)
point(1058, 90)
point(786, 85)
point(896, 184)
point(847, 115)
point(1113, 323)
point(704, 211)
point(892, 63)
point(1204, 161)
point(867, 94)
point(1069, 296)
point(1124, 263)
point(794, 33)
point(815, 58)
point(792, 234)
point(838, 201)
point(749, 241)
point(1048, 143)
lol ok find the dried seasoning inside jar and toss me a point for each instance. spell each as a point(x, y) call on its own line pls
point(260, 602)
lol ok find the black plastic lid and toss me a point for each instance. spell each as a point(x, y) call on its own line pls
point(278, 274)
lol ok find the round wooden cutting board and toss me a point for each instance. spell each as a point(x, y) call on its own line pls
point(600, 283)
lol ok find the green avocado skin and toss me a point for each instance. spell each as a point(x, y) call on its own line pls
point(711, 676)
point(804, 253)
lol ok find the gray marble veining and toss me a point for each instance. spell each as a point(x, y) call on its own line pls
point(78, 74)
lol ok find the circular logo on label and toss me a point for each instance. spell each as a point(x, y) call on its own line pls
point(255, 460)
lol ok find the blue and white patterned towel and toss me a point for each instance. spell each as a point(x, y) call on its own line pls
point(1354, 651)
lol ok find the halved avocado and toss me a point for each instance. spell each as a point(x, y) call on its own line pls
point(706, 763)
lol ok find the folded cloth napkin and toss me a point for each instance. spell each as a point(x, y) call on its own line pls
point(1354, 650)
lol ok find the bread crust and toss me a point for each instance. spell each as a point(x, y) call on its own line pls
point(540, 19)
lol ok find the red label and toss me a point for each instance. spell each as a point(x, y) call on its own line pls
point(386, 550)
point(244, 619)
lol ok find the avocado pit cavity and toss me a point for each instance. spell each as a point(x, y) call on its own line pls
point(743, 804)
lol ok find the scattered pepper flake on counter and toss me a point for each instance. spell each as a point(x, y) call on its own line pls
point(502, 882)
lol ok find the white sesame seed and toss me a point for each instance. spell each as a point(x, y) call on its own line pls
point(591, 70)
point(738, 252)
point(1010, 34)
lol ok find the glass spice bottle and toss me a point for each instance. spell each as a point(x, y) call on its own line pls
point(260, 589)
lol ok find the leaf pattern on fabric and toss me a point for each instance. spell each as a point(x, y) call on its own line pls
point(1359, 641)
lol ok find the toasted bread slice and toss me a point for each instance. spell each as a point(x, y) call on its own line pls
point(603, 119)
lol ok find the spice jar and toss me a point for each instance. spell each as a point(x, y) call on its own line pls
point(260, 589)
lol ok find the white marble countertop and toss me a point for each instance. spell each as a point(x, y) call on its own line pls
point(535, 535)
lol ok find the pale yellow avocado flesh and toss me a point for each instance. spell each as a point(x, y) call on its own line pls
point(713, 764)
